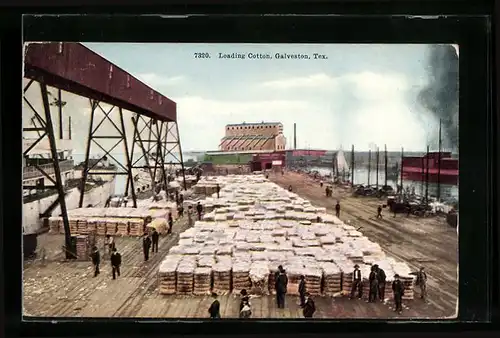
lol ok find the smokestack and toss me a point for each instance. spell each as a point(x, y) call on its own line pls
point(378, 155)
point(295, 136)
point(69, 127)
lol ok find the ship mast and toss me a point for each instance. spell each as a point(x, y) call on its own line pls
point(439, 165)
point(401, 169)
point(369, 164)
point(352, 166)
point(378, 155)
point(385, 165)
point(427, 177)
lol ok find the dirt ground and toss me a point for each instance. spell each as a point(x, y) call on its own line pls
point(427, 242)
point(59, 288)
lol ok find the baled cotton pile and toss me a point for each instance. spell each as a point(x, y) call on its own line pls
point(111, 221)
point(255, 226)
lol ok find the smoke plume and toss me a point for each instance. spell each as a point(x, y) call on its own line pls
point(440, 97)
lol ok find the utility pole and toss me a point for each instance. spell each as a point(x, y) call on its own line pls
point(427, 177)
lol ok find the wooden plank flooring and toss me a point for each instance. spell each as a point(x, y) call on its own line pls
point(67, 289)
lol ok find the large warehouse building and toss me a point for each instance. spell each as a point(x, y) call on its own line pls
point(253, 136)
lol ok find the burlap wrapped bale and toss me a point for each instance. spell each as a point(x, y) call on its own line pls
point(111, 227)
point(167, 275)
point(185, 278)
point(54, 225)
point(202, 281)
point(82, 248)
point(136, 227)
point(222, 277)
point(332, 279)
point(241, 276)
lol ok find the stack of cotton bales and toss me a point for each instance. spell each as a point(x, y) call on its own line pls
point(167, 275)
point(255, 226)
point(185, 275)
point(202, 280)
point(222, 275)
point(332, 279)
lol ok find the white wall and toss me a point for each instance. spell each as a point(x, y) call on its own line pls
point(97, 197)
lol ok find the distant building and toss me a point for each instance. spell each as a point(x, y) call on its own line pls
point(253, 136)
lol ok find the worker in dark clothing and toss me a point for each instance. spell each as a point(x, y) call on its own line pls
point(337, 209)
point(116, 261)
point(302, 290)
point(170, 223)
point(398, 289)
point(245, 298)
point(309, 307)
point(356, 282)
point(146, 245)
point(181, 199)
point(96, 260)
point(290, 188)
point(422, 283)
point(214, 309)
point(218, 190)
point(321, 184)
point(381, 277)
point(155, 237)
point(372, 295)
point(198, 176)
point(180, 210)
point(199, 210)
point(280, 286)
point(327, 191)
point(190, 215)
point(379, 212)
point(408, 209)
point(176, 197)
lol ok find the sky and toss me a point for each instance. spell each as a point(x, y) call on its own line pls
point(364, 95)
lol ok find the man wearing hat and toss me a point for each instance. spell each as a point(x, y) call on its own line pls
point(309, 307)
point(356, 281)
point(372, 293)
point(381, 277)
point(398, 289)
point(281, 284)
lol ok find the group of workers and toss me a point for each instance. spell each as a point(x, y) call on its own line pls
point(377, 280)
point(280, 287)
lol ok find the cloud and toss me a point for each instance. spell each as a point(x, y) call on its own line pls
point(155, 80)
point(315, 81)
point(363, 85)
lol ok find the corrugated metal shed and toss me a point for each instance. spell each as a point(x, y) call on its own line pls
point(75, 68)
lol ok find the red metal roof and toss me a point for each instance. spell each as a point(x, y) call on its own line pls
point(75, 68)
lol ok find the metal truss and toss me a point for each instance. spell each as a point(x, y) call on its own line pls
point(44, 128)
point(157, 141)
point(93, 139)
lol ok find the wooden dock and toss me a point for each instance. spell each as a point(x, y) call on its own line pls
point(59, 288)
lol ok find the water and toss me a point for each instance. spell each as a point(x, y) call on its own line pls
point(448, 192)
point(121, 180)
